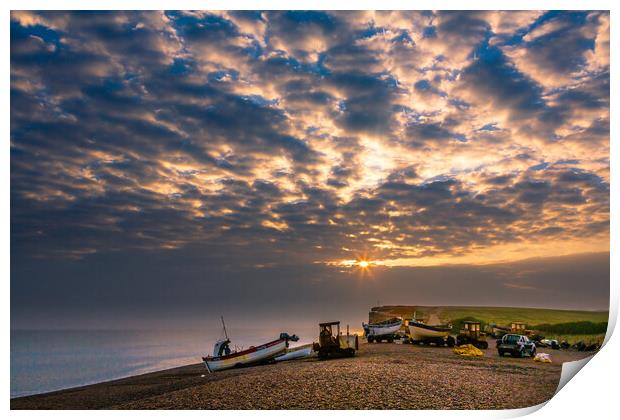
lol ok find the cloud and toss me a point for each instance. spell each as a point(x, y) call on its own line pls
point(537, 55)
point(142, 294)
point(172, 163)
point(455, 34)
point(310, 135)
point(506, 23)
point(598, 59)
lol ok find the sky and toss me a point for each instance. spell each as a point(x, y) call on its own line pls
point(186, 164)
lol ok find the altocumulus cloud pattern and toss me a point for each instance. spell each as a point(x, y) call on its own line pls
point(310, 137)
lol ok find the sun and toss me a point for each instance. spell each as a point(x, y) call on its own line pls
point(363, 264)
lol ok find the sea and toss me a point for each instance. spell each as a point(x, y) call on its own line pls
point(50, 360)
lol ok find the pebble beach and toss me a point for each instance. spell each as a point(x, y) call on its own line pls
point(380, 376)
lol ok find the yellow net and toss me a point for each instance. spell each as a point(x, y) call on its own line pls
point(468, 350)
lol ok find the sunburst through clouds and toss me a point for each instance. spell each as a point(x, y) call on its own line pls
point(353, 142)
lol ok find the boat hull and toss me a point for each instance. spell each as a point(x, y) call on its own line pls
point(379, 330)
point(247, 357)
point(420, 332)
point(499, 331)
point(299, 353)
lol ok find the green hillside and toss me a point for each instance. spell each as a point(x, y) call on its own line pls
point(497, 315)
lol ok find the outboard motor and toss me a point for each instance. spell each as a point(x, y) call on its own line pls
point(285, 336)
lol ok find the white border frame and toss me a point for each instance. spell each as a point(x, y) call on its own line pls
point(591, 393)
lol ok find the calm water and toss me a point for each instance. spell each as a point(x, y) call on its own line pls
point(43, 361)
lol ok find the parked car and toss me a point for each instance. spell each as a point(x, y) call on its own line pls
point(516, 345)
point(554, 344)
point(541, 343)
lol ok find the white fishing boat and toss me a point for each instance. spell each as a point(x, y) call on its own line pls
point(296, 353)
point(388, 327)
point(224, 358)
point(499, 331)
point(420, 331)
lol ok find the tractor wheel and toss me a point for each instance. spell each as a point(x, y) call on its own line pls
point(450, 341)
point(349, 352)
point(482, 345)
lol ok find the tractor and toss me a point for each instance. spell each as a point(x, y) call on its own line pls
point(520, 328)
point(471, 334)
point(332, 344)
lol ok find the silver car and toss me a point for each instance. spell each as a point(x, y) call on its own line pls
point(516, 345)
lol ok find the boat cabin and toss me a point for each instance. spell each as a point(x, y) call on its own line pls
point(221, 348)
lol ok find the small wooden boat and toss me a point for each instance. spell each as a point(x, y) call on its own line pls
point(498, 331)
point(223, 358)
point(387, 327)
point(296, 353)
point(420, 331)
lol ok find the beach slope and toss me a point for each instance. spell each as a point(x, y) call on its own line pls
point(381, 376)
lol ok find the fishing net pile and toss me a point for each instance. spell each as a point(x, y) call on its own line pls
point(468, 350)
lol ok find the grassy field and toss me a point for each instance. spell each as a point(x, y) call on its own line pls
point(497, 315)
point(574, 338)
point(504, 316)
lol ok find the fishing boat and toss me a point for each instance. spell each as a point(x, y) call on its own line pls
point(224, 358)
point(499, 331)
point(296, 353)
point(386, 327)
point(420, 331)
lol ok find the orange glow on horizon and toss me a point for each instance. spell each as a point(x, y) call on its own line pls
point(502, 253)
